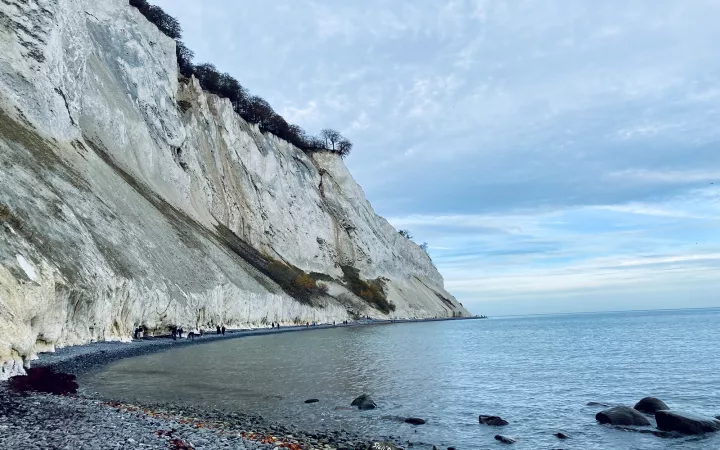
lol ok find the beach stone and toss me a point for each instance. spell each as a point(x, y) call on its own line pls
point(561, 435)
point(415, 421)
point(504, 439)
point(312, 400)
point(686, 423)
point(604, 405)
point(382, 446)
point(494, 421)
point(650, 405)
point(622, 415)
point(364, 402)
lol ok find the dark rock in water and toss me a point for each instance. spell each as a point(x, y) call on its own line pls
point(415, 421)
point(561, 435)
point(604, 405)
point(686, 423)
point(494, 421)
point(504, 439)
point(312, 400)
point(622, 415)
point(650, 405)
point(364, 402)
point(43, 379)
point(451, 448)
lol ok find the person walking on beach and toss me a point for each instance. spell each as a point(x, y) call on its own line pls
point(223, 330)
point(174, 334)
point(218, 329)
point(180, 332)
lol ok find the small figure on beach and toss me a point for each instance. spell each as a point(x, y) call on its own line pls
point(272, 325)
point(180, 332)
point(174, 333)
point(307, 324)
point(218, 329)
point(223, 330)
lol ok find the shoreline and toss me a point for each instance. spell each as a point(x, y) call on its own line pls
point(87, 420)
point(86, 358)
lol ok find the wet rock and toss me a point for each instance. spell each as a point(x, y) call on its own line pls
point(451, 448)
point(650, 405)
point(504, 439)
point(494, 421)
point(622, 415)
point(44, 379)
point(686, 423)
point(604, 405)
point(383, 446)
point(312, 400)
point(415, 421)
point(364, 402)
point(561, 435)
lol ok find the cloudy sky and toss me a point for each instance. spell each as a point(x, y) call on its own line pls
point(557, 155)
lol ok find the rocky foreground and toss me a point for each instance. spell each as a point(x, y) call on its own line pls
point(44, 421)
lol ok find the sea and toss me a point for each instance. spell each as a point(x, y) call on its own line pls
point(540, 373)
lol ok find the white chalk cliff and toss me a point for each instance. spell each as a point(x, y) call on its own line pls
point(129, 197)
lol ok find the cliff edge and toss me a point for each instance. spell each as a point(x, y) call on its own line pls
point(131, 197)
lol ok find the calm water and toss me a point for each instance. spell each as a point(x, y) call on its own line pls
point(537, 372)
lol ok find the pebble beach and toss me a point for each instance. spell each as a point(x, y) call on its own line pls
point(86, 421)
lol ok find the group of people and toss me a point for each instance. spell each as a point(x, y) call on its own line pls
point(274, 325)
point(177, 332)
point(221, 330)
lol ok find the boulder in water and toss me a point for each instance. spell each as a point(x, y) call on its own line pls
point(686, 423)
point(415, 421)
point(364, 402)
point(561, 435)
point(312, 400)
point(504, 439)
point(494, 421)
point(650, 405)
point(622, 415)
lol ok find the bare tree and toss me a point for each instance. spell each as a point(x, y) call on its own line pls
point(405, 233)
point(331, 137)
point(344, 147)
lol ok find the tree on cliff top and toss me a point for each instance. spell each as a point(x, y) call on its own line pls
point(344, 147)
point(331, 137)
point(250, 107)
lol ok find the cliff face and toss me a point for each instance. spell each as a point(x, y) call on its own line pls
point(128, 197)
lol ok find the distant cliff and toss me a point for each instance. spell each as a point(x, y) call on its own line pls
point(130, 197)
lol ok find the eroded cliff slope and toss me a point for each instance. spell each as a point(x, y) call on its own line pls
point(129, 197)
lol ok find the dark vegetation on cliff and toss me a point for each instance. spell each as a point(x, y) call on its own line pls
point(372, 291)
point(250, 107)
